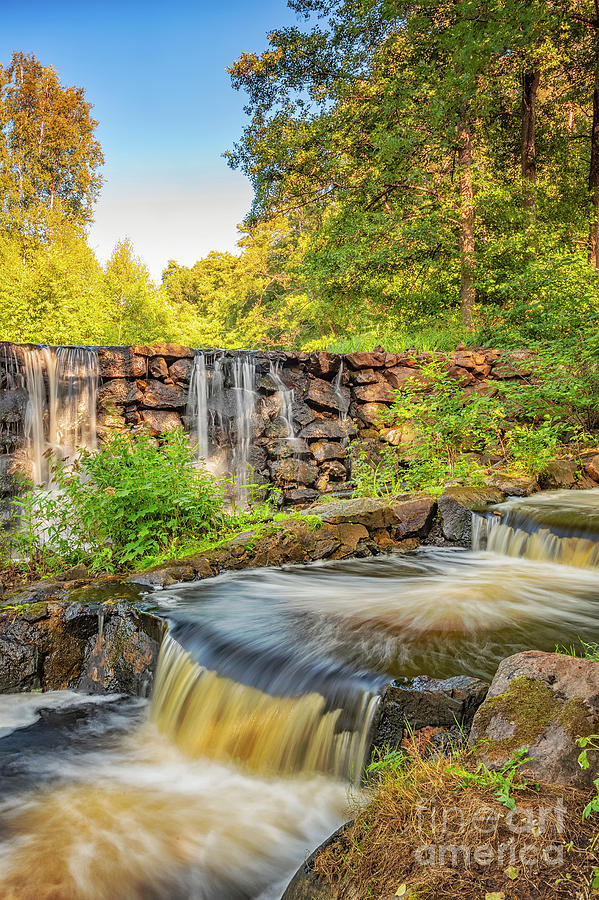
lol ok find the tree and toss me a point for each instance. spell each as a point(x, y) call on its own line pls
point(49, 156)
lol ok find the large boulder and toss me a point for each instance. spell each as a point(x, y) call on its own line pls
point(408, 515)
point(96, 647)
point(542, 701)
point(456, 505)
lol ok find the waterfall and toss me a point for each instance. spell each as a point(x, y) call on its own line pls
point(197, 404)
point(61, 385)
point(342, 399)
point(208, 715)
point(221, 404)
point(559, 527)
point(285, 396)
point(244, 372)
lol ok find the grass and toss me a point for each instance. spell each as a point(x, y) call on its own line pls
point(441, 826)
point(584, 650)
point(427, 337)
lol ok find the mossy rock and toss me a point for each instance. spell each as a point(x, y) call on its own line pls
point(545, 702)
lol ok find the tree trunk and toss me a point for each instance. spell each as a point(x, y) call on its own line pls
point(594, 168)
point(467, 287)
point(530, 86)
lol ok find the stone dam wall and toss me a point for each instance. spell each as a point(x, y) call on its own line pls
point(305, 407)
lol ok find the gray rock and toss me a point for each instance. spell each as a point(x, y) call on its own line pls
point(422, 702)
point(542, 701)
point(455, 508)
point(283, 447)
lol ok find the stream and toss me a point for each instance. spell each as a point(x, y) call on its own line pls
point(250, 750)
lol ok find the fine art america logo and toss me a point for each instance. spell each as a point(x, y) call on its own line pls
point(488, 837)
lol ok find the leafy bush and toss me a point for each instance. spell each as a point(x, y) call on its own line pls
point(447, 434)
point(129, 500)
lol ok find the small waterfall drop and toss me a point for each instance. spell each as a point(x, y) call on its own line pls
point(558, 526)
point(60, 419)
point(221, 403)
point(208, 715)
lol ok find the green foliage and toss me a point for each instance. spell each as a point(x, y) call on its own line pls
point(446, 434)
point(446, 428)
point(585, 650)
point(502, 780)
point(375, 477)
point(590, 742)
point(130, 499)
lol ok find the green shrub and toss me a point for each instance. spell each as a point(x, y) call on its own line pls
point(129, 500)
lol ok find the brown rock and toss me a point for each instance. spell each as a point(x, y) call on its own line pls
point(294, 470)
point(120, 362)
point(372, 413)
point(163, 396)
point(591, 467)
point(157, 367)
point(181, 369)
point(398, 375)
point(408, 515)
point(323, 428)
point(322, 450)
point(542, 701)
point(173, 351)
point(513, 485)
point(118, 392)
point(514, 364)
point(380, 391)
point(334, 469)
point(455, 508)
point(559, 473)
point(159, 421)
point(323, 395)
point(373, 360)
point(283, 447)
point(366, 376)
point(323, 364)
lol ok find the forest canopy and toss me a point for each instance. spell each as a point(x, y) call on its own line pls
point(423, 173)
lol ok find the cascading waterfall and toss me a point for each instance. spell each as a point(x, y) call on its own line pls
point(341, 398)
point(62, 387)
point(221, 404)
point(244, 377)
point(285, 397)
point(208, 715)
point(559, 526)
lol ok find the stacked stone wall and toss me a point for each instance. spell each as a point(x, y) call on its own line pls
point(335, 399)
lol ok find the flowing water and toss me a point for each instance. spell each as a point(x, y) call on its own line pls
point(260, 719)
point(61, 385)
point(221, 403)
point(285, 397)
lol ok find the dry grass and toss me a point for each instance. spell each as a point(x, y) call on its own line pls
point(540, 851)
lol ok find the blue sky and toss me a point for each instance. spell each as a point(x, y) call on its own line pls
point(156, 75)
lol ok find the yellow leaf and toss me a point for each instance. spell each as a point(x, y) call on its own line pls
point(495, 895)
point(402, 890)
point(511, 872)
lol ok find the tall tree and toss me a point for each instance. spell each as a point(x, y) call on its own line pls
point(49, 155)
